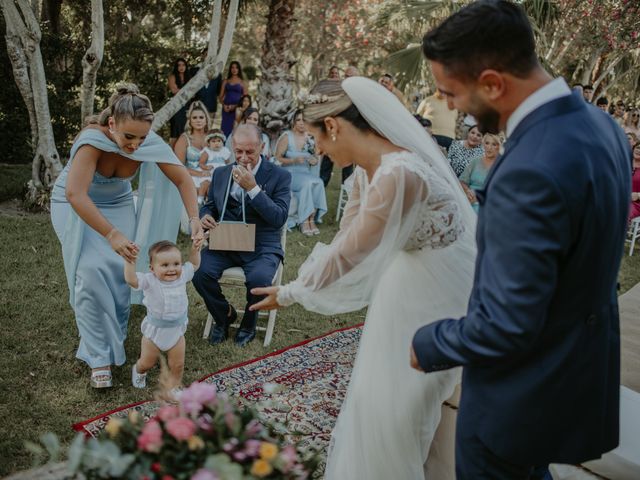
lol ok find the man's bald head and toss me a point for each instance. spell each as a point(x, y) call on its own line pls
point(247, 131)
point(247, 144)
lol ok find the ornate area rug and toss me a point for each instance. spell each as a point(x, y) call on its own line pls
point(312, 377)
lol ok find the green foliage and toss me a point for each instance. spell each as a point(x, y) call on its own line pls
point(13, 180)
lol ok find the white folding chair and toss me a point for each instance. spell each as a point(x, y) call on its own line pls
point(633, 234)
point(234, 276)
point(343, 197)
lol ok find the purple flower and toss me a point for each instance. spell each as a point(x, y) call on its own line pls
point(239, 456)
point(203, 474)
point(230, 445)
point(230, 419)
point(196, 396)
point(253, 428)
point(290, 456)
point(252, 448)
point(205, 422)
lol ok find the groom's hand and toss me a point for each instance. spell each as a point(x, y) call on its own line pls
point(414, 360)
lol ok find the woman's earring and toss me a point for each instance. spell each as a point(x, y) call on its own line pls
point(333, 137)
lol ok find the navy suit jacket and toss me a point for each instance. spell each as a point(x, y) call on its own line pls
point(540, 344)
point(268, 210)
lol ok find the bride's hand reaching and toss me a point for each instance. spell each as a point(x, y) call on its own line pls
point(270, 302)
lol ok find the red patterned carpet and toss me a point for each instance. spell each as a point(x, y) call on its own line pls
point(312, 377)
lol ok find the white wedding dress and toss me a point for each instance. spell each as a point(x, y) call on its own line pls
point(405, 250)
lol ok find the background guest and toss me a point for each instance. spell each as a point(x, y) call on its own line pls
point(602, 103)
point(295, 151)
point(351, 71)
point(334, 73)
point(190, 146)
point(635, 183)
point(475, 173)
point(245, 102)
point(232, 89)
point(251, 116)
point(388, 82)
point(461, 152)
point(436, 109)
point(178, 77)
point(587, 93)
point(631, 122)
point(618, 112)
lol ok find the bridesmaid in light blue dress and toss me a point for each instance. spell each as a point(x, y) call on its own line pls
point(296, 152)
point(95, 219)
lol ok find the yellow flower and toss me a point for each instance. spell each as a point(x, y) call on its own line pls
point(268, 451)
point(261, 468)
point(195, 443)
point(113, 427)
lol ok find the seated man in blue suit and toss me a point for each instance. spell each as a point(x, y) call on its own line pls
point(267, 192)
point(540, 343)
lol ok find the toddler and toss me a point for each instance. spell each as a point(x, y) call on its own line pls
point(216, 153)
point(165, 296)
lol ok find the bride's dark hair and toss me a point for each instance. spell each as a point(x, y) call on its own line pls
point(328, 99)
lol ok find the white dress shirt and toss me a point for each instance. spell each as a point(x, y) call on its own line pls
point(236, 190)
point(551, 91)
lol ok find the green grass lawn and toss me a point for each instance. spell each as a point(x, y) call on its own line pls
point(43, 388)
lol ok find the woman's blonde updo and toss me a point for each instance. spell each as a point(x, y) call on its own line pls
point(127, 103)
point(328, 99)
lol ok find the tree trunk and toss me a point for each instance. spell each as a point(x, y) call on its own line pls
point(212, 66)
point(23, 42)
point(275, 95)
point(590, 66)
point(607, 71)
point(92, 59)
point(51, 14)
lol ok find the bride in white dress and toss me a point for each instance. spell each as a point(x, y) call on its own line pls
point(405, 249)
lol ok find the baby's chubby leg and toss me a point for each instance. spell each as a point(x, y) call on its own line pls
point(175, 356)
point(149, 355)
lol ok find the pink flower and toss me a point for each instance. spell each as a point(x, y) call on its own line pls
point(203, 474)
point(290, 456)
point(150, 439)
point(196, 396)
point(205, 422)
point(168, 412)
point(230, 419)
point(181, 428)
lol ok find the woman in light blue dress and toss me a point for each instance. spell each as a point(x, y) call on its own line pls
point(296, 152)
point(475, 173)
point(95, 218)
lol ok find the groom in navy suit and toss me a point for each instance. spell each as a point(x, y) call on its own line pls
point(266, 189)
point(540, 343)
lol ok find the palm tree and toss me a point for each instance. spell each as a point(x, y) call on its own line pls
point(275, 94)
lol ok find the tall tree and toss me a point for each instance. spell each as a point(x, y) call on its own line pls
point(275, 94)
point(92, 59)
point(23, 45)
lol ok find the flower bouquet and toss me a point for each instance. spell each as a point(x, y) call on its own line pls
point(205, 436)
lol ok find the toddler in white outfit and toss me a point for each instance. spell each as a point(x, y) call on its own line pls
point(216, 153)
point(164, 291)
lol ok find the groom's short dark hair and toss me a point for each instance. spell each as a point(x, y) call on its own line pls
point(487, 34)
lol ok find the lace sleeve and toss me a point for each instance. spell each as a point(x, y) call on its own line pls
point(340, 277)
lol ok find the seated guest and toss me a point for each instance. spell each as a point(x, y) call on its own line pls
point(295, 151)
point(265, 191)
point(244, 103)
point(475, 173)
point(252, 117)
point(635, 184)
point(461, 152)
point(631, 122)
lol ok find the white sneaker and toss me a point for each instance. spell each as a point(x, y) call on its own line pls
point(138, 380)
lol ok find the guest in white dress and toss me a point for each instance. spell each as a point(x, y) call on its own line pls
point(165, 296)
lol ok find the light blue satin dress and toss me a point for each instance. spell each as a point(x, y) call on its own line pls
point(306, 185)
point(98, 293)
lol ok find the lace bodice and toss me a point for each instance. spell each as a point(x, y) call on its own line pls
point(437, 223)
